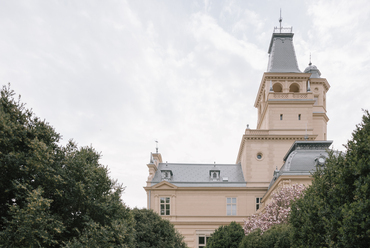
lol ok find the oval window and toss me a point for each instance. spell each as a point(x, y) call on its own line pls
point(259, 155)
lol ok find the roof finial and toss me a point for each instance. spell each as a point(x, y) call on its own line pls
point(156, 146)
point(310, 60)
point(280, 20)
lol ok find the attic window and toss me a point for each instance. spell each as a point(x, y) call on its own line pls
point(214, 175)
point(166, 175)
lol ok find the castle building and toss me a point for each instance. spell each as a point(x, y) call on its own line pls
point(288, 143)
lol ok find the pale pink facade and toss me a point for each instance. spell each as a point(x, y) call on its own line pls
point(291, 106)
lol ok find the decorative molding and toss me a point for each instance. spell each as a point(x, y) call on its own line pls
point(300, 137)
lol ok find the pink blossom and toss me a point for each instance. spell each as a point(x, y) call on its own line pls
point(277, 211)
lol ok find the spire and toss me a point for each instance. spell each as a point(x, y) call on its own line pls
point(280, 20)
point(281, 51)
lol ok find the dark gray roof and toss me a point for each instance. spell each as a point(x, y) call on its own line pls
point(315, 73)
point(282, 56)
point(198, 175)
point(302, 158)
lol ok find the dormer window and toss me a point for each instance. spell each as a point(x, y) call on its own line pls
point(214, 175)
point(320, 160)
point(166, 175)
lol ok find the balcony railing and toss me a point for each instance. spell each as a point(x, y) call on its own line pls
point(283, 30)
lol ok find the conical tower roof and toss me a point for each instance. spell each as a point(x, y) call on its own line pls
point(281, 52)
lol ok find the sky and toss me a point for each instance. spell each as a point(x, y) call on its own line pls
point(119, 75)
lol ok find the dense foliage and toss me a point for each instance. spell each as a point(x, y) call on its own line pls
point(278, 236)
point(335, 211)
point(226, 236)
point(53, 196)
point(276, 211)
point(154, 231)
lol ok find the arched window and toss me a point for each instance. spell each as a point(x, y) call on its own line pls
point(277, 87)
point(294, 87)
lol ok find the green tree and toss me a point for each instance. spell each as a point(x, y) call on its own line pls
point(66, 186)
point(33, 225)
point(226, 236)
point(154, 231)
point(335, 211)
point(278, 236)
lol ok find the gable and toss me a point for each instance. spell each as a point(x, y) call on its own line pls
point(164, 185)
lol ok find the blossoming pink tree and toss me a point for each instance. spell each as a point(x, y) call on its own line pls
point(277, 211)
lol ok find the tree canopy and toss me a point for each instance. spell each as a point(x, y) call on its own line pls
point(226, 236)
point(276, 211)
point(278, 236)
point(52, 195)
point(335, 211)
point(154, 231)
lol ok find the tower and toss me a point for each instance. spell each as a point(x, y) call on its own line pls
point(291, 106)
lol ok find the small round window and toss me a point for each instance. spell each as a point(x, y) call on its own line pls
point(259, 156)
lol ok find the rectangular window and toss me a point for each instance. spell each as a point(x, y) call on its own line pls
point(281, 117)
point(202, 241)
point(231, 206)
point(299, 117)
point(258, 202)
point(165, 206)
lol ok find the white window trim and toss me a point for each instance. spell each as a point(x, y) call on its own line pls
point(203, 233)
point(165, 205)
point(259, 203)
point(231, 204)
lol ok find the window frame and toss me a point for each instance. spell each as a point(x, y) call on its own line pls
point(258, 203)
point(166, 205)
point(214, 172)
point(205, 236)
point(232, 203)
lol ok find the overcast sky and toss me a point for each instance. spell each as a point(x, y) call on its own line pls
point(119, 75)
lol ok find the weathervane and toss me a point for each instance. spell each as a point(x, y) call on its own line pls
point(310, 60)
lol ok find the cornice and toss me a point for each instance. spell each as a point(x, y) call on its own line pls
point(321, 115)
point(218, 189)
point(322, 81)
point(272, 137)
point(202, 223)
point(281, 178)
point(279, 137)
